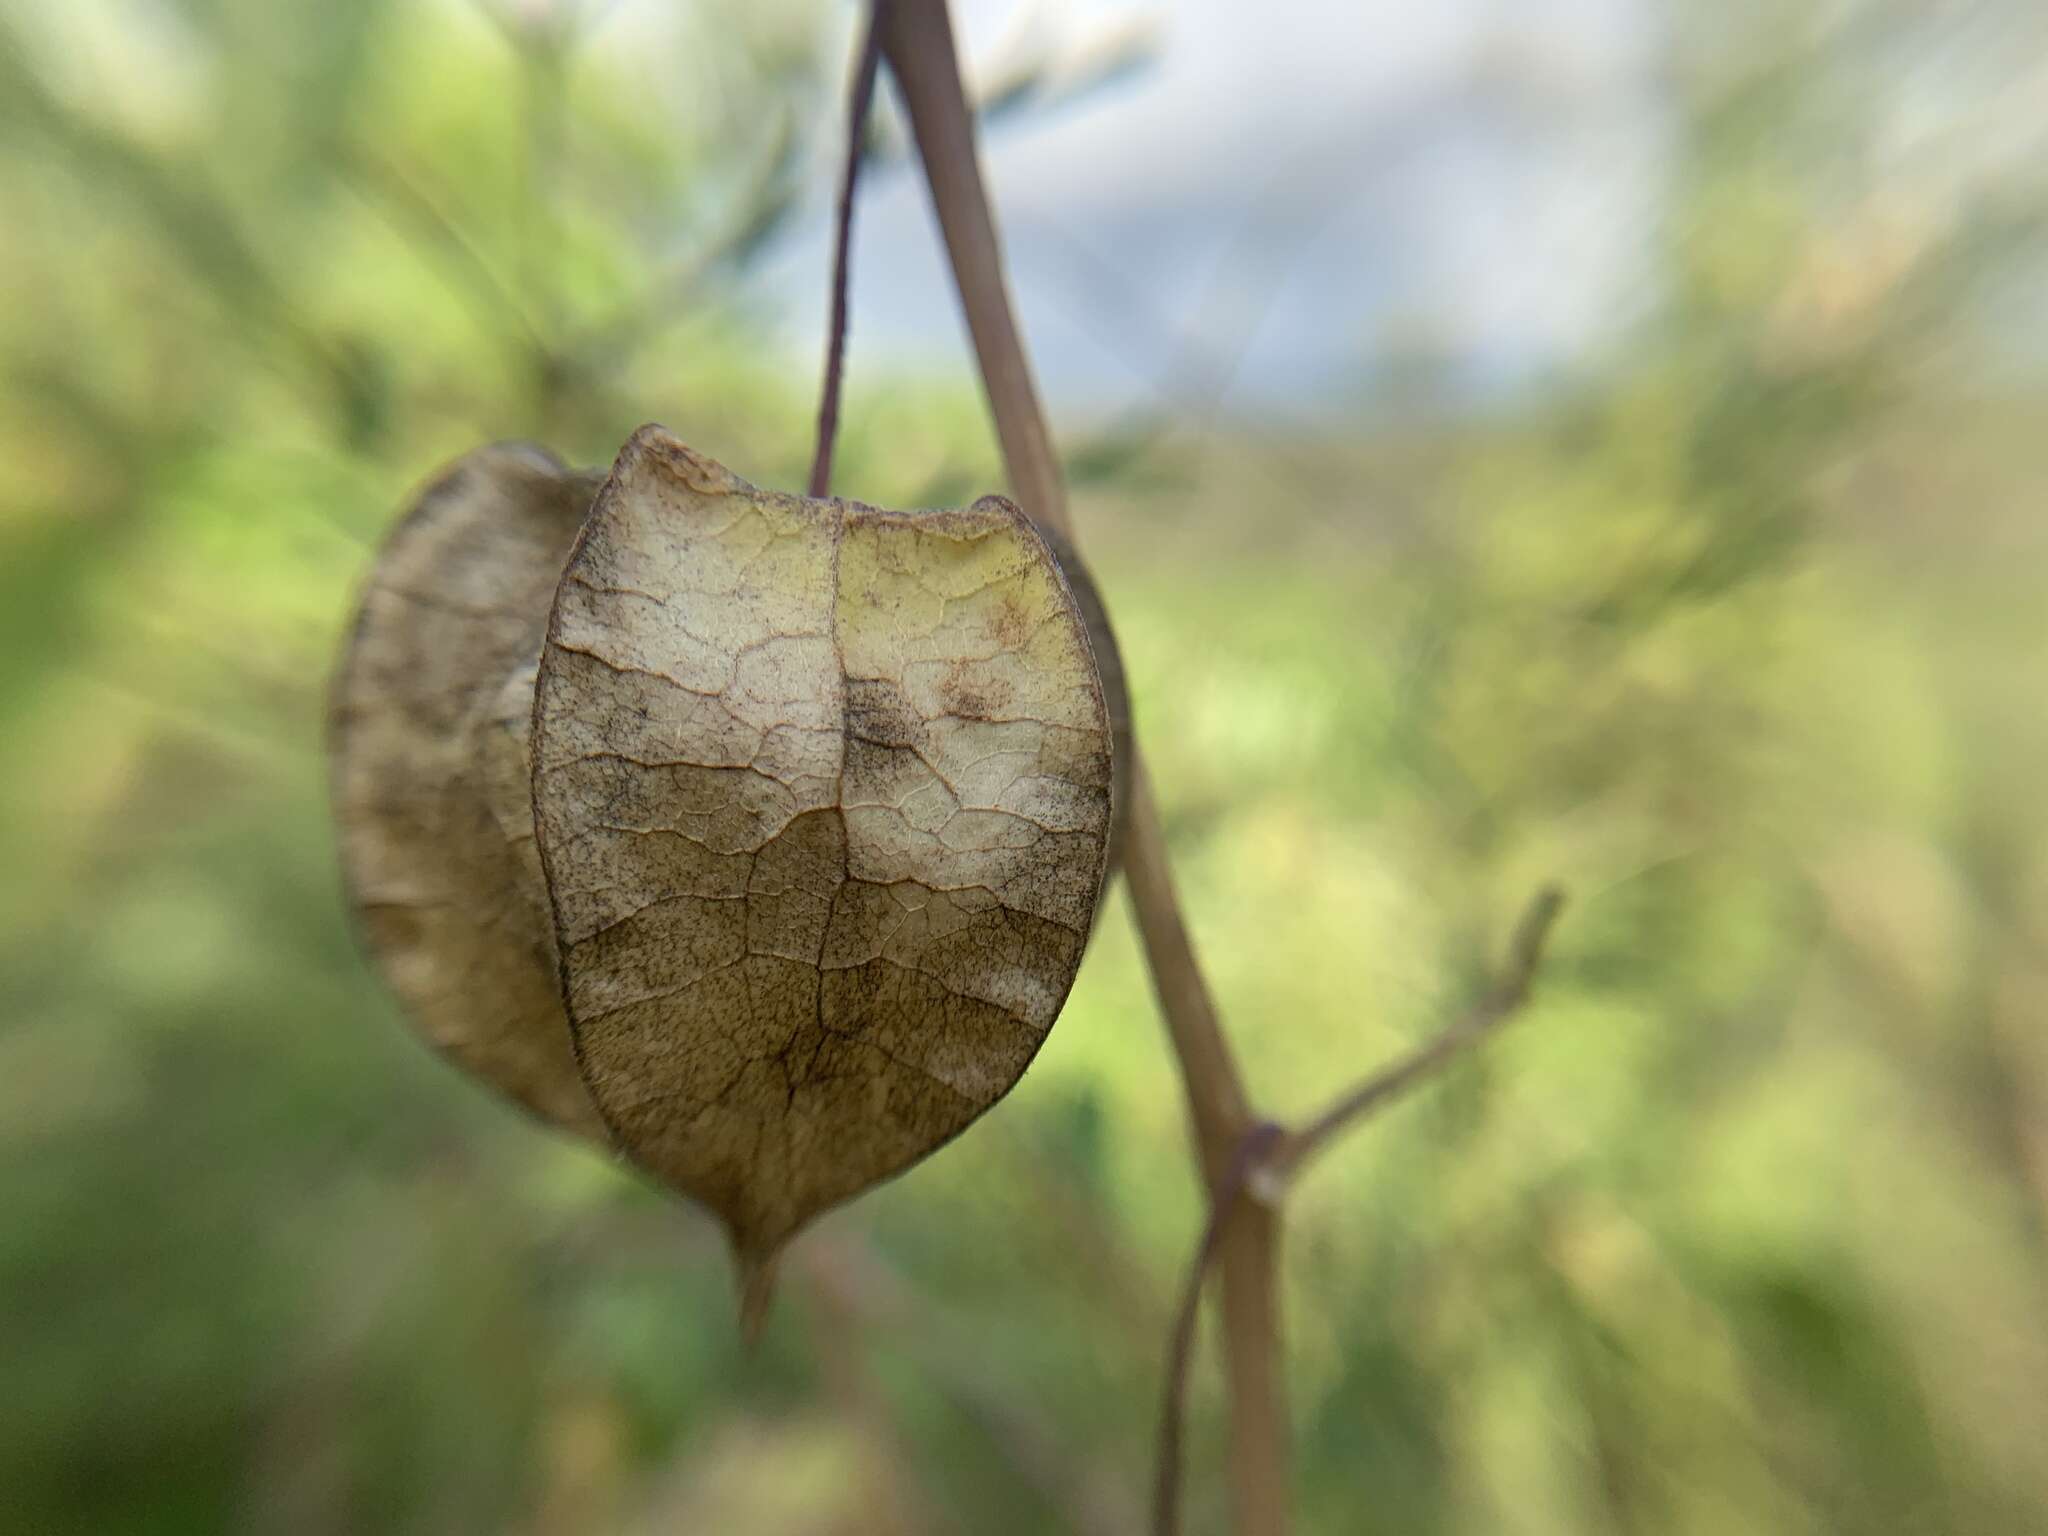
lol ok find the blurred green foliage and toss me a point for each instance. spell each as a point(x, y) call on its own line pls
point(1744, 1228)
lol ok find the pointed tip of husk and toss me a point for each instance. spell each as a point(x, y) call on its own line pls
point(756, 1275)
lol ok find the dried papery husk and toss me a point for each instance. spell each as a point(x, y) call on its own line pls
point(428, 736)
point(1116, 692)
point(823, 794)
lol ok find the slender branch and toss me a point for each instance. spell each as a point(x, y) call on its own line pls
point(1254, 1371)
point(1243, 1235)
point(860, 99)
point(1269, 1155)
point(1217, 1106)
point(1239, 1155)
point(917, 39)
point(1180, 1348)
point(917, 36)
point(1502, 1001)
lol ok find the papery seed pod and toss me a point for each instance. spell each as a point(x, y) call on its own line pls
point(428, 723)
point(823, 795)
point(1116, 693)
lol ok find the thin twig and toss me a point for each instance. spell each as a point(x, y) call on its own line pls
point(917, 37)
point(1217, 1105)
point(1501, 1002)
point(859, 100)
point(1236, 1154)
point(917, 40)
point(1269, 1155)
point(1180, 1349)
point(1242, 1235)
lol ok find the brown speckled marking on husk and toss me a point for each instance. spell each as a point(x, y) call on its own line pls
point(428, 731)
point(823, 795)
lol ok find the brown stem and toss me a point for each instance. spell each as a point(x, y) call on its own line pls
point(1501, 1002)
point(1180, 1349)
point(1254, 1373)
point(1255, 1185)
point(1218, 1110)
point(859, 100)
point(917, 39)
point(1243, 1234)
